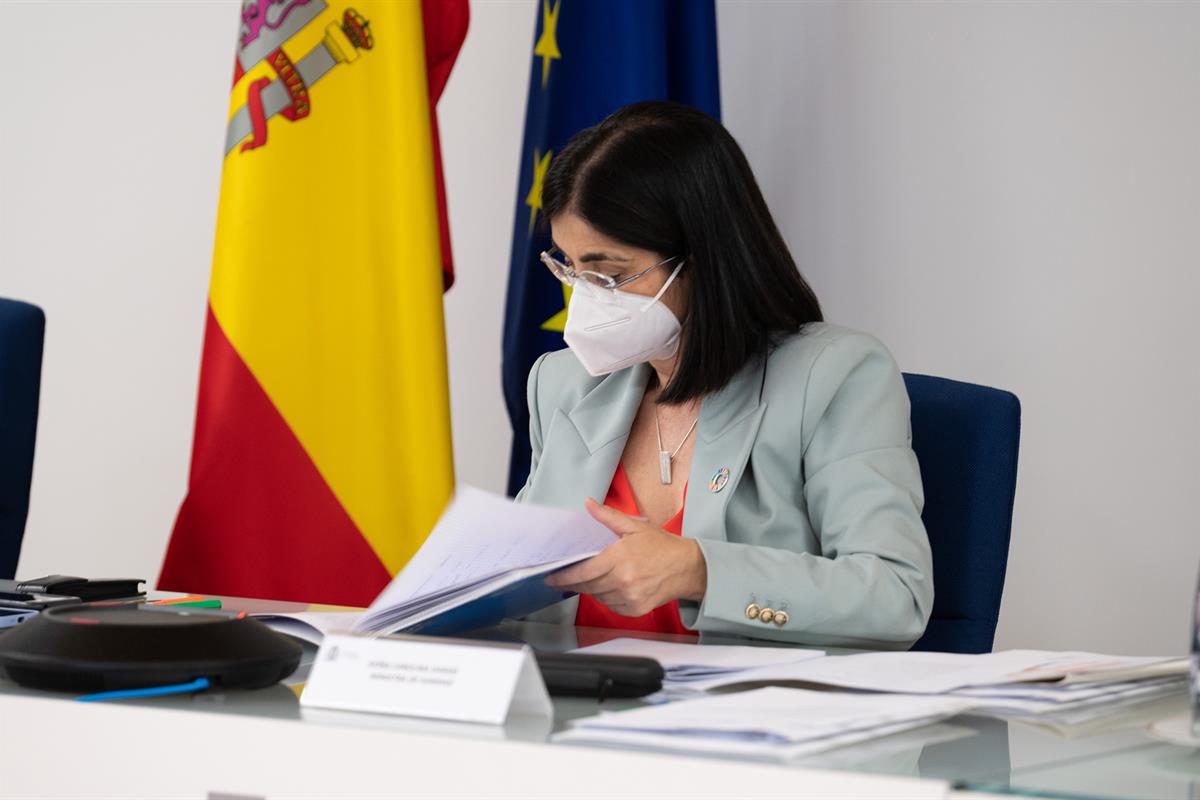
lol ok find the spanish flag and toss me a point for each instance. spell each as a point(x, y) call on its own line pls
point(322, 456)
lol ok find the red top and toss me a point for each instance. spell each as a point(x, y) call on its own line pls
point(664, 619)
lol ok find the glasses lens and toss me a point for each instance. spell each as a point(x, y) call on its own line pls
point(560, 270)
point(597, 279)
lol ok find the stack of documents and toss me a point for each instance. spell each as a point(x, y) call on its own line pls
point(311, 626)
point(486, 559)
point(937, 673)
point(1067, 702)
point(1008, 683)
point(1080, 721)
point(687, 663)
point(768, 723)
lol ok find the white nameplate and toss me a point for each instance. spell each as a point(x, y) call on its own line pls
point(424, 676)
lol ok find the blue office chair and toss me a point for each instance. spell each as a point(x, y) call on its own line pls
point(22, 327)
point(965, 437)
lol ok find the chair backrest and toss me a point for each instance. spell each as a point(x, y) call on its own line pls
point(966, 438)
point(22, 327)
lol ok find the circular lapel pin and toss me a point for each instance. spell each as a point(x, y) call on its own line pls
point(719, 479)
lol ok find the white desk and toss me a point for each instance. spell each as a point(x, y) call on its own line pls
point(262, 744)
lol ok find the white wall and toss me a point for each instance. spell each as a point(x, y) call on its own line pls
point(482, 118)
point(110, 131)
point(1009, 193)
point(1005, 193)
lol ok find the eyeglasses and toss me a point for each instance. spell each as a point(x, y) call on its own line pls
point(568, 274)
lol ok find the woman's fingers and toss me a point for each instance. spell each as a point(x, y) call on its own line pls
point(615, 521)
point(605, 584)
point(615, 601)
point(582, 573)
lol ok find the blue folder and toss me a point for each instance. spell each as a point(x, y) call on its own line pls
point(515, 600)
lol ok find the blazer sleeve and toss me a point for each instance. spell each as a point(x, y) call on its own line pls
point(872, 583)
point(535, 423)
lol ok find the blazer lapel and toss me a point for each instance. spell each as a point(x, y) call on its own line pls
point(725, 434)
point(580, 453)
point(584, 444)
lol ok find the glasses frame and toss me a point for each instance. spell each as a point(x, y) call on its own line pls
point(568, 275)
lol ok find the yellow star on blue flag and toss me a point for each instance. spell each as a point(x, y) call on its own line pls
point(541, 163)
point(601, 55)
point(547, 44)
point(559, 321)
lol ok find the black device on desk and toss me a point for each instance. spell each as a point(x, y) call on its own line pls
point(59, 590)
point(583, 675)
point(96, 647)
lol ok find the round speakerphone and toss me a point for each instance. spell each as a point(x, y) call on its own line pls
point(99, 647)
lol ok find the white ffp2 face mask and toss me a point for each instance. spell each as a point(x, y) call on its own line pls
point(611, 330)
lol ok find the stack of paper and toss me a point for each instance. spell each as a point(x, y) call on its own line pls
point(1009, 683)
point(486, 559)
point(1080, 721)
point(687, 663)
point(1074, 667)
point(771, 723)
point(936, 673)
point(311, 626)
point(1067, 703)
point(1072, 688)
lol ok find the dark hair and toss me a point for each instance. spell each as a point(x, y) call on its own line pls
point(667, 178)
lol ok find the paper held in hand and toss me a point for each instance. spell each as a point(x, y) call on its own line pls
point(486, 559)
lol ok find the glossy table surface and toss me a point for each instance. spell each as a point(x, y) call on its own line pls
point(1114, 757)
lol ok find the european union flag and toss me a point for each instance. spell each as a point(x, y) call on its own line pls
point(590, 57)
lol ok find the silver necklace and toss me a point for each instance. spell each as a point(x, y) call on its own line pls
point(665, 458)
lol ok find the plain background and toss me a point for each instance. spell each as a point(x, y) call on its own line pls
point(1004, 193)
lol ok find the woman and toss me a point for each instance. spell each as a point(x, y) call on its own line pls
point(754, 461)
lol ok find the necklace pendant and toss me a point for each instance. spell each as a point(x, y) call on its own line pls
point(664, 467)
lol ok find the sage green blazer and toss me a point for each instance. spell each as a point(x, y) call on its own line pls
point(820, 515)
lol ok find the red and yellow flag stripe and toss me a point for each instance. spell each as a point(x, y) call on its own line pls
point(322, 453)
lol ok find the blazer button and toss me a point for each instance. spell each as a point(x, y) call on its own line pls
point(781, 618)
point(752, 611)
point(766, 615)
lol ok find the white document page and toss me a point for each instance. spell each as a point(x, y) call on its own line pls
point(311, 626)
point(681, 660)
point(921, 673)
point(777, 713)
point(1069, 693)
point(482, 536)
point(935, 673)
point(788, 721)
point(1085, 706)
point(1074, 667)
point(739, 747)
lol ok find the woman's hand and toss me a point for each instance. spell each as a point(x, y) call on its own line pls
point(641, 571)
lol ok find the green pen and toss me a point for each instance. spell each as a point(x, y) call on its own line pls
point(209, 603)
point(193, 600)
